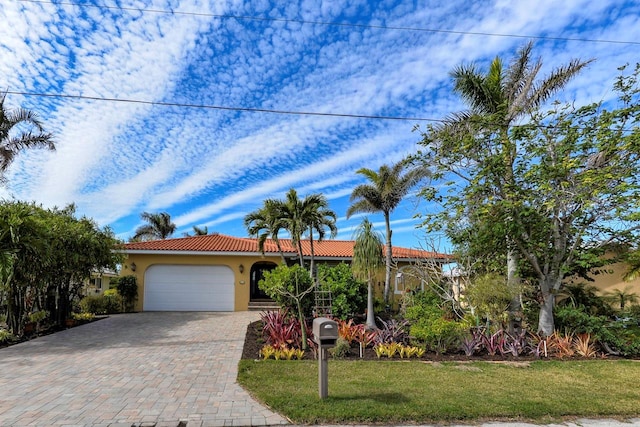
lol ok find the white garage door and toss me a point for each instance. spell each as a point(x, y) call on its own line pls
point(188, 288)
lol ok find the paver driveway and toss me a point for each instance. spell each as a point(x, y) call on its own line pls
point(132, 369)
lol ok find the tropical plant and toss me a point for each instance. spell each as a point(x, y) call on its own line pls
point(128, 288)
point(16, 134)
point(550, 185)
point(300, 216)
point(46, 256)
point(384, 192)
point(291, 288)
point(347, 293)
point(391, 331)
point(198, 231)
point(266, 223)
point(430, 325)
point(584, 346)
point(6, 337)
point(366, 262)
point(159, 227)
point(622, 297)
point(490, 296)
point(280, 329)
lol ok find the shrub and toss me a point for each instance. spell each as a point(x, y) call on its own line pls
point(101, 304)
point(38, 316)
point(491, 296)
point(83, 317)
point(429, 325)
point(6, 337)
point(341, 349)
point(286, 285)
point(128, 289)
point(617, 337)
point(348, 295)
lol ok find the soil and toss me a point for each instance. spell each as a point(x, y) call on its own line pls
point(254, 341)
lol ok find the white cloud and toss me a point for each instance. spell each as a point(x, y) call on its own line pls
point(209, 166)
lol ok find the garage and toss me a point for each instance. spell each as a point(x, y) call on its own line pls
point(189, 288)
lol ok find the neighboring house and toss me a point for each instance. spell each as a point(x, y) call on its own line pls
point(99, 282)
point(216, 272)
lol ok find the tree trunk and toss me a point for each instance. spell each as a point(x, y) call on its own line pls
point(303, 325)
point(512, 284)
point(545, 323)
point(387, 268)
point(548, 287)
point(371, 321)
point(311, 263)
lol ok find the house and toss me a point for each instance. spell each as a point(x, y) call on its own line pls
point(217, 272)
point(99, 282)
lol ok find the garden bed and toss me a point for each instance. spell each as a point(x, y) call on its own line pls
point(254, 342)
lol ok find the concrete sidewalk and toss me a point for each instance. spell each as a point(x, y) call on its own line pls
point(133, 369)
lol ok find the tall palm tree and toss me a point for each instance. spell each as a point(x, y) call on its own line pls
point(14, 137)
point(306, 215)
point(320, 218)
point(367, 260)
point(383, 194)
point(264, 223)
point(159, 227)
point(499, 98)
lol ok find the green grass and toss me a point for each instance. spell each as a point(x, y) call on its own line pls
point(412, 391)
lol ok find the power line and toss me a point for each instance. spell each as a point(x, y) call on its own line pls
point(336, 24)
point(247, 109)
point(221, 107)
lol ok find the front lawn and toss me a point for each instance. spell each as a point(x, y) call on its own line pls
point(413, 391)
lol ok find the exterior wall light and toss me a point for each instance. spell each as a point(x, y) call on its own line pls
point(241, 268)
point(133, 266)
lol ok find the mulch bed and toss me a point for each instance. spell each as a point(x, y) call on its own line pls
point(254, 342)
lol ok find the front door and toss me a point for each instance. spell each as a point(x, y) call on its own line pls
point(257, 274)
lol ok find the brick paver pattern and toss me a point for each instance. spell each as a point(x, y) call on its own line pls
point(132, 369)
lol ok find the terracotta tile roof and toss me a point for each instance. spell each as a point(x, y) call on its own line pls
point(220, 243)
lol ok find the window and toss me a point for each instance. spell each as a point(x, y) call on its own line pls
point(408, 279)
point(97, 282)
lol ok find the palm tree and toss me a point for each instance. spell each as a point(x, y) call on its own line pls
point(499, 98)
point(622, 297)
point(306, 215)
point(386, 190)
point(198, 231)
point(264, 223)
point(320, 218)
point(367, 260)
point(159, 227)
point(13, 136)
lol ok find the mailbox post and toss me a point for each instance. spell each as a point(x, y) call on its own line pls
point(325, 334)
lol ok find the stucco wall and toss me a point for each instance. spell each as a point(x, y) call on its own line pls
point(612, 279)
point(241, 284)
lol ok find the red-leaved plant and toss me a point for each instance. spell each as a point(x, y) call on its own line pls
point(280, 329)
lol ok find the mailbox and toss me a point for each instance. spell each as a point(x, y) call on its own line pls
point(325, 332)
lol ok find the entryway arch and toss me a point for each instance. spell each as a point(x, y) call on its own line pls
point(257, 274)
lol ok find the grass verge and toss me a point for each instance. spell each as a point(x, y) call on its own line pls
point(413, 391)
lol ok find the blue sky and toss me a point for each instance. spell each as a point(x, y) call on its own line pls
point(211, 166)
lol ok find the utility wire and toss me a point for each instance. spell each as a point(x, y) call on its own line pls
point(221, 107)
point(335, 24)
point(247, 109)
